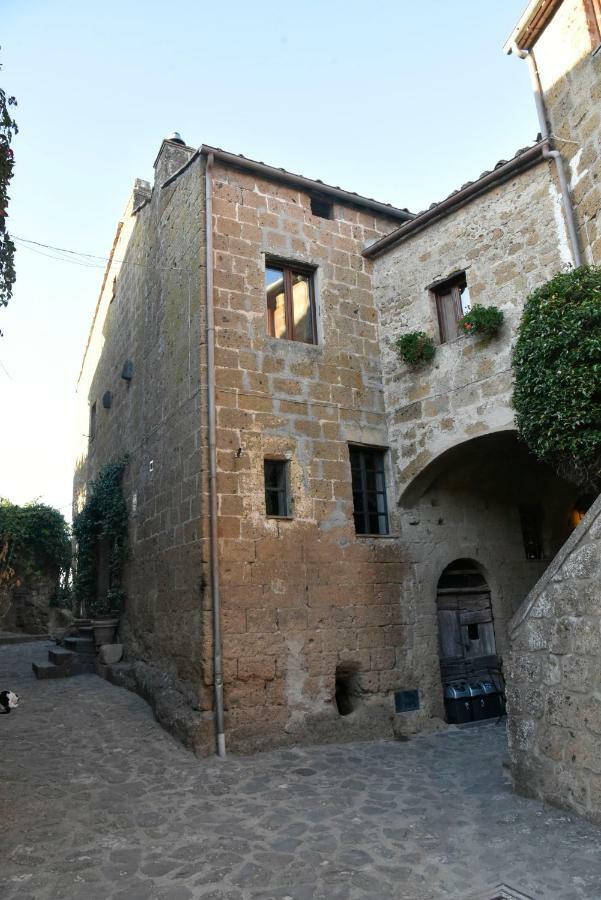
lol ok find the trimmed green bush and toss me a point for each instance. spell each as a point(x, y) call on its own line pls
point(482, 320)
point(557, 362)
point(415, 347)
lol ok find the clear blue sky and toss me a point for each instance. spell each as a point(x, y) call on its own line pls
point(401, 101)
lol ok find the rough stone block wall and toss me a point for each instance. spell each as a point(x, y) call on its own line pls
point(570, 73)
point(305, 595)
point(507, 242)
point(554, 671)
point(150, 312)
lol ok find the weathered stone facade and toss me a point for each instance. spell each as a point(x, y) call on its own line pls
point(553, 675)
point(570, 73)
point(304, 597)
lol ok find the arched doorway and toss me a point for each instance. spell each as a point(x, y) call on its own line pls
point(469, 666)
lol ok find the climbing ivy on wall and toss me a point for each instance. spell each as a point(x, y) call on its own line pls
point(8, 128)
point(103, 520)
point(557, 362)
point(34, 540)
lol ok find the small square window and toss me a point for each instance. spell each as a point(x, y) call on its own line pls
point(452, 303)
point(277, 488)
point(323, 209)
point(92, 429)
point(290, 302)
point(369, 490)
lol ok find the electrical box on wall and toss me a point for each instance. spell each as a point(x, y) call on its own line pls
point(406, 701)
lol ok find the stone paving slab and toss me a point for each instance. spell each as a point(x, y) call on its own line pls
point(97, 802)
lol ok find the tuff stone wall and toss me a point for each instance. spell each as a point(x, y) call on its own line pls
point(570, 72)
point(508, 243)
point(26, 607)
point(303, 596)
point(554, 670)
point(150, 312)
point(460, 474)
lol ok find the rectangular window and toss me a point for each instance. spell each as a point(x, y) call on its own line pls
point(290, 302)
point(321, 208)
point(369, 490)
point(531, 520)
point(92, 429)
point(452, 303)
point(277, 490)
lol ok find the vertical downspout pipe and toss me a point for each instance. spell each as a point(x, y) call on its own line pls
point(548, 153)
point(214, 540)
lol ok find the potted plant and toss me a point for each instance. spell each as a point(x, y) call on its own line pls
point(105, 616)
point(415, 347)
point(480, 319)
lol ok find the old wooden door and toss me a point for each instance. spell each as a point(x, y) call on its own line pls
point(465, 625)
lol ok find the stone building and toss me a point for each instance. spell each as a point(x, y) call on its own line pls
point(306, 510)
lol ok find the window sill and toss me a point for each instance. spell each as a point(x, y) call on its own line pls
point(281, 518)
point(286, 344)
point(377, 536)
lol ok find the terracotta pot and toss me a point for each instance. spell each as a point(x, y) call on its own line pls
point(104, 631)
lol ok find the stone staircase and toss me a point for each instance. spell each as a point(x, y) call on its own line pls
point(76, 656)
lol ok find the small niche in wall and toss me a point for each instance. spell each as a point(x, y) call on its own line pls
point(107, 399)
point(347, 688)
point(321, 208)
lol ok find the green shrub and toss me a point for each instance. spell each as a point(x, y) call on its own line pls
point(482, 320)
point(557, 362)
point(102, 521)
point(415, 347)
point(34, 540)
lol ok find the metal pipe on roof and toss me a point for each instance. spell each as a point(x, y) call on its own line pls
point(549, 153)
point(214, 538)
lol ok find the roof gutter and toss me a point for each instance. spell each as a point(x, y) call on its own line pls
point(519, 164)
point(549, 153)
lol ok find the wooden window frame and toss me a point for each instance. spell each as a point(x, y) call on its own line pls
point(364, 513)
point(453, 288)
point(283, 491)
point(288, 270)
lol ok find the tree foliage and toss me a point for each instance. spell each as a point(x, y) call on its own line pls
point(34, 540)
point(8, 128)
point(557, 362)
point(102, 521)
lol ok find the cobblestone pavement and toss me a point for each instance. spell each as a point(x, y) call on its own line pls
point(97, 801)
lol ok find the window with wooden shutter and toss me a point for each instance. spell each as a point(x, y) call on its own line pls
point(452, 303)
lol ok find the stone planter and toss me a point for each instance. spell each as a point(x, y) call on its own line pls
point(104, 631)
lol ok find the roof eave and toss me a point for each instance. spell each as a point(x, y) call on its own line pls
point(531, 25)
point(318, 187)
point(515, 166)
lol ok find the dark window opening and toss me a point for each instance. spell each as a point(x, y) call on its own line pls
point(452, 303)
point(531, 520)
point(347, 689)
point(473, 632)
point(369, 490)
point(290, 303)
point(92, 430)
point(277, 492)
point(323, 209)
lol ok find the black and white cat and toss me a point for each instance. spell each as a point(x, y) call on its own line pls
point(8, 701)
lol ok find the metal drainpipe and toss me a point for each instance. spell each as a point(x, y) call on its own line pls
point(214, 544)
point(548, 153)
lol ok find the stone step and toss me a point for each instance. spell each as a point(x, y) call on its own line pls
point(49, 670)
point(80, 645)
point(61, 657)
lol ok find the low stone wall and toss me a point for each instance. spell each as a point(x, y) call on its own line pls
point(554, 678)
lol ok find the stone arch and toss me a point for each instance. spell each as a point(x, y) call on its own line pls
point(420, 482)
